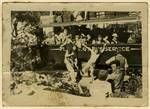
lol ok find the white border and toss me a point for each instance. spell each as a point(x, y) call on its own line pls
point(69, 1)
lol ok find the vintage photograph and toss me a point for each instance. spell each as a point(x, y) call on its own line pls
point(71, 57)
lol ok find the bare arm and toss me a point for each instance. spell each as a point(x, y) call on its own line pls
point(63, 44)
point(67, 54)
point(87, 48)
point(110, 60)
point(126, 64)
point(104, 46)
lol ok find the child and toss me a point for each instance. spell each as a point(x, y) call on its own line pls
point(100, 88)
point(91, 62)
point(68, 45)
point(71, 62)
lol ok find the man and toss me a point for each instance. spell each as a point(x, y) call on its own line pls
point(122, 68)
point(119, 57)
point(92, 61)
point(116, 77)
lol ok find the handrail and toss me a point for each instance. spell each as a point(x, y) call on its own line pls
point(126, 19)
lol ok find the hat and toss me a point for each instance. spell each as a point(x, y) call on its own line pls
point(114, 35)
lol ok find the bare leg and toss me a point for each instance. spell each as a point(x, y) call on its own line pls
point(80, 89)
point(70, 70)
point(86, 69)
point(92, 74)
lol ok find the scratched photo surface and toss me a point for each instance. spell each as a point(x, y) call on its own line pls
point(58, 54)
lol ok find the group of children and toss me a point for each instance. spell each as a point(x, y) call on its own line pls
point(118, 63)
point(53, 39)
point(72, 62)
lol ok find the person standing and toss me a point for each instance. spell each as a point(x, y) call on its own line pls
point(71, 62)
point(89, 67)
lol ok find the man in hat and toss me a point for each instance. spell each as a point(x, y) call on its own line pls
point(114, 39)
point(119, 57)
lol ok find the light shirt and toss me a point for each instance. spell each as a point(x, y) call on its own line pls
point(99, 89)
point(117, 76)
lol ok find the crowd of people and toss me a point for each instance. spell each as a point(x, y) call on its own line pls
point(118, 63)
point(56, 39)
point(25, 34)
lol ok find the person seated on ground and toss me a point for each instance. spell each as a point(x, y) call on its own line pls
point(115, 78)
point(100, 88)
point(89, 67)
point(114, 39)
point(105, 39)
point(132, 39)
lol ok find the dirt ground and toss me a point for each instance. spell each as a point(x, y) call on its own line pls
point(40, 97)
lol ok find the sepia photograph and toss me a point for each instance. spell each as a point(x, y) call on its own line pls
point(58, 54)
